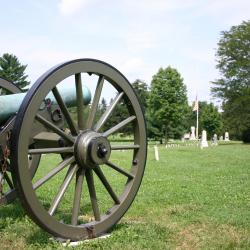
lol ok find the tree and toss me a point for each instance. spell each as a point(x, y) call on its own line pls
point(168, 104)
point(233, 88)
point(12, 70)
point(141, 90)
point(119, 114)
point(211, 120)
point(236, 115)
point(100, 109)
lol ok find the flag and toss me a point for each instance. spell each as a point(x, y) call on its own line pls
point(196, 104)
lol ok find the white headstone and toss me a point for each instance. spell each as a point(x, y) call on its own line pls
point(192, 137)
point(221, 138)
point(215, 140)
point(226, 136)
point(204, 143)
point(186, 136)
point(156, 153)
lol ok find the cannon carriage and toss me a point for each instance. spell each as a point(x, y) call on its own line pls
point(90, 187)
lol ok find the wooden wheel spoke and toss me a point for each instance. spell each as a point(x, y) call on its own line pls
point(92, 194)
point(70, 174)
point(53, 172)
point(119, 170)
point(65, 111)
point(79, 101)
point(124, 147)
point(77, 197)
point(106, 184)
point(119, 126)
point(96, 100)
point(50, 150)
point(53, 127)
point(108, 112)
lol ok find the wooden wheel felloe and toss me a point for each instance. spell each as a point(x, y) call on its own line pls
point(91, 186)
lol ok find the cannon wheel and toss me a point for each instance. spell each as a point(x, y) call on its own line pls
point(10, 195)
point(88, 152)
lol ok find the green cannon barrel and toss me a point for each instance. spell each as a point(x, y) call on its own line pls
point(9, 104)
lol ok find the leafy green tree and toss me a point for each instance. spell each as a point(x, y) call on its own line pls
point(121, 111)
point(11, 69)
point(141, 89)
point(119, 114)
point(236, 115)
point(233, 57)
point(167, 104)
point(211, 120)
point(100, 109)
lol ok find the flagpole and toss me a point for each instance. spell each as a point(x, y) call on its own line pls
point(196, 108)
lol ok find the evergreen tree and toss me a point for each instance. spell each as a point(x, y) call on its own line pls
point(12, 70)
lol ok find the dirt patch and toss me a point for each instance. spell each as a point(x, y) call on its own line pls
point(182, 208)
point(6, 243)
point(198, 236)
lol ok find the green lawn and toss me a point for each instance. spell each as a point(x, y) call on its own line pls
point(190, 199)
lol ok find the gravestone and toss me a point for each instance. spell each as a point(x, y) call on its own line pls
point(192, 137)
point(226, 136)
point(186, 136)
point(156, 153)
point(215, 140)
point(221, 138)
point(204, 143)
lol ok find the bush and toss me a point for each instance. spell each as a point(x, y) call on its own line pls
point(246, 135)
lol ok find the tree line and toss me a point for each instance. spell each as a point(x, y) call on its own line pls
point(165, 103)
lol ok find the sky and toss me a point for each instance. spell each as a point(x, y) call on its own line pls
point(136, 37)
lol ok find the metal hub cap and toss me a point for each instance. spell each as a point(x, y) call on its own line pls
point(91, 149)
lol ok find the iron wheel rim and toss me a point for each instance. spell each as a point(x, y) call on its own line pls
point(27, 113)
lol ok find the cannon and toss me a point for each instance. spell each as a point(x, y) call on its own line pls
point(58, 154)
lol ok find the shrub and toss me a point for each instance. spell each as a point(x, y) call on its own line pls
point(246, 135)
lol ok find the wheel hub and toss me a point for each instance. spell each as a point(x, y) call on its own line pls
point(91, 149)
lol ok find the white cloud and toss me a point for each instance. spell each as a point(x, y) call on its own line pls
point(71, 7)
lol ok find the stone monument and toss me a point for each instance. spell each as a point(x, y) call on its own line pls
point(215, 140)
point(221, 138)
point(204, 143)
point(192, 137)
point(226, 136)
point(186, 136)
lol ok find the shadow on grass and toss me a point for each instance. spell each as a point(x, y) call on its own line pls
point(13, 210)
point(40, 237)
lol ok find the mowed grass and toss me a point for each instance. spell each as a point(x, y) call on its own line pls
point(190, 199)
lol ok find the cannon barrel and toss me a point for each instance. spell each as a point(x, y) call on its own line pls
point(9, 104)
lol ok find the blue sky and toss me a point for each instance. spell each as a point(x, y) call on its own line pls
point(137, 37)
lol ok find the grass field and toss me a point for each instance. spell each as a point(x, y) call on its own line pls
point(190, 199)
